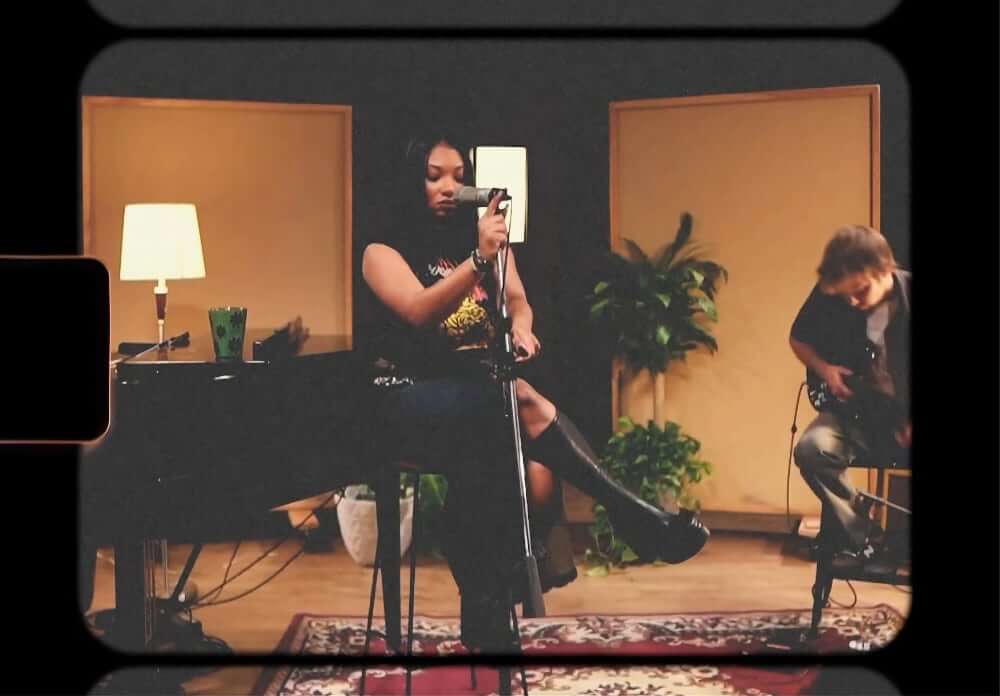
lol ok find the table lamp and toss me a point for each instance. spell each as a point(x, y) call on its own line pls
point(161, 241)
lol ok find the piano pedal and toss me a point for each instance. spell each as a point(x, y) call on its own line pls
point(175, 632)
point(188, 595)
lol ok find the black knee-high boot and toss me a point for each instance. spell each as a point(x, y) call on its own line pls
point(652, 533)
point(552, 544)
point(480, 544)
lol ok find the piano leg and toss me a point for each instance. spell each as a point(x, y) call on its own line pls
point(88, 569)
point(130, 629)
point(387, 505)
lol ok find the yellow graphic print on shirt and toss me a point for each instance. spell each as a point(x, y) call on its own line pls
point(469, 326)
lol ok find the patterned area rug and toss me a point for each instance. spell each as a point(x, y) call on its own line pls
point(687, 635)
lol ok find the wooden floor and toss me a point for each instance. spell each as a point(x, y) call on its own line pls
point(735, 571)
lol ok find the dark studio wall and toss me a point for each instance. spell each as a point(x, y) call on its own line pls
point(548, 95)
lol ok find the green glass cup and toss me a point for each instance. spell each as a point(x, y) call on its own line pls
point(228, 326)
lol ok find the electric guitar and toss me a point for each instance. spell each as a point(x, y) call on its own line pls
point(876, 414)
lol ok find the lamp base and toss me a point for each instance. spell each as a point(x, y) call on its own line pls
point(160, 293)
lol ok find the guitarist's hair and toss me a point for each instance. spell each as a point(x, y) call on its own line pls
point(855, 249)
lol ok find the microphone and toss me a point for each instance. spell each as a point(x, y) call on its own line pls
point(480, 196)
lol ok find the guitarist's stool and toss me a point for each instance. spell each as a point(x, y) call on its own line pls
point(827, 568)
point(387, 555)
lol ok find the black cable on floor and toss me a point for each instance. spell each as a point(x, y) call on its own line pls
point(852, 604)
point(215, 590)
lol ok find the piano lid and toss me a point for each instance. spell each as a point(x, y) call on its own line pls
point(201, 350)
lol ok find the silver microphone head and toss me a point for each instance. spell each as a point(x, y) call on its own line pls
point(479, 196)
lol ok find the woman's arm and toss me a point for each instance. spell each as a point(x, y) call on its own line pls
point(526, 344)
point(521, 315)
point(393, 282)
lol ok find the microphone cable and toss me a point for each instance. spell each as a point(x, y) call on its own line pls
point(854, 602)
point(225, 577)
point(791, 448)
point(226, 580)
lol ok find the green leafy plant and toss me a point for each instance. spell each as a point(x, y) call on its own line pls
point(653, 310)
point(652, 462)
point(433, 491)
point(362, 491)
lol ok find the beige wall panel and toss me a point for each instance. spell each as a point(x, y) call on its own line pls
point(767, 180)
point(271, 183)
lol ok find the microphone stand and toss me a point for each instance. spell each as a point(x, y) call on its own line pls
point(179, 341)
point(534, 605)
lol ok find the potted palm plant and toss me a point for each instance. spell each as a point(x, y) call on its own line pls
point(653, 310)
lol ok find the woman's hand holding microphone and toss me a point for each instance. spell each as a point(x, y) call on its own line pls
point(492, 238)
point(492, 234)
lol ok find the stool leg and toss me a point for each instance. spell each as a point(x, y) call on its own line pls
point(504, 673)
point(413, 577)
point(821, 589)
point(371, 612)
point(824, 570)
point(517, 638)
point(387, 513)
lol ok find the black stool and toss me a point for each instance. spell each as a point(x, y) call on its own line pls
point(387, 554)
point(827, 570)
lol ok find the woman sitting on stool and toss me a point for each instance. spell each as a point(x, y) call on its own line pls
point(436, 283)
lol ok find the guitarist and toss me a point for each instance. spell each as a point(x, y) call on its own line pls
point(852, 334)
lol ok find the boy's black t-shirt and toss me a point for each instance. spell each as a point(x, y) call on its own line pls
point(838, 333)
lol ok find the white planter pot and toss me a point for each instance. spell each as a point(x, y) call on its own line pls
point(359, 528)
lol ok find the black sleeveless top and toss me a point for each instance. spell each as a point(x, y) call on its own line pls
point(458, 344)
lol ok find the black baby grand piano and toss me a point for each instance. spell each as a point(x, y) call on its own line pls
point(195, 443)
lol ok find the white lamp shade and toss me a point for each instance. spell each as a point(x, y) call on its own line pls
point(505, 167)
point(161, 241)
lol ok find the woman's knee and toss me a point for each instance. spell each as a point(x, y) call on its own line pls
point(526, 394)
point(536, 412)
point(529, 398)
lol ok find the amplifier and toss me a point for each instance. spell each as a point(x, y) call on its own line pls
point(896, 485)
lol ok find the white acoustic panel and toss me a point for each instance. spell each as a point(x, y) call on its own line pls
point(505, 167)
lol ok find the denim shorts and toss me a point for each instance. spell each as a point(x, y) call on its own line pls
point(439, 423)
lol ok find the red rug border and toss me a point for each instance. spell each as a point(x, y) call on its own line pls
point(297, 618)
